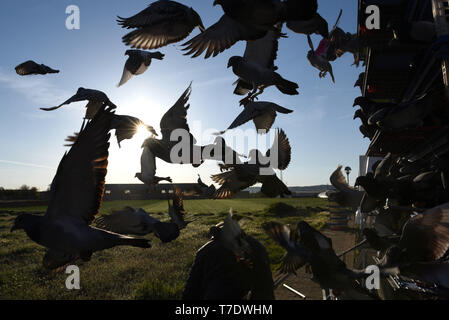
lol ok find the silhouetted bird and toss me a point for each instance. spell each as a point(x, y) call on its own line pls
point(260, 77)
point(75, 198)
point(96, 99)
point(32, 68)
point(259, 168)
point(137, 222)
point(262, 113)
point(137, 63)
point(262, 52)
point(345, 196)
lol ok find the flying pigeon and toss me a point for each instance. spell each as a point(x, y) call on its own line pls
point(246, 20)
point(318, 58)
point(163, 22)
point(425, 238)
point(147, 172)
point(263, 52)
point(32, 68)
point(176, 209)
point(307, 245)
point(316, 25)
point(125, 128)
point(260, 77)
point(137, 222)
point(96, 99)
point(345, 196)
point(262, 113)
point(75, 198)
point(137, 63)
point(257, 169)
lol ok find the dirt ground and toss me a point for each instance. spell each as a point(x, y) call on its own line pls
point(341, 240)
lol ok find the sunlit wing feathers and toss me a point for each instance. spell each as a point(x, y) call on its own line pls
point(426, 236)
point(77, 189)
point(175, 117)
point(339, 181)
point(283, 150)
point(231, 183)
point(287, 239)
point(155, 13)
point(125, 221)
point(217, 38)
point(162, 23)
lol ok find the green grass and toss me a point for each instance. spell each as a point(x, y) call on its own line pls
point(133, 273)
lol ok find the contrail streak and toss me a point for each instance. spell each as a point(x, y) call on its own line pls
point(25, 164)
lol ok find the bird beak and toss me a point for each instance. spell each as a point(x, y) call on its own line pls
point(229, 65)
point(355, 117)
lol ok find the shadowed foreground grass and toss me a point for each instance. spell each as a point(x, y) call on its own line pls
point(133, 273)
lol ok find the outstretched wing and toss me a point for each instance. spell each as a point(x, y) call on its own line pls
point(288, 239)
point(426, 236)
point(217, 38)
point(339, 181)
point(235, 180)
point(281, 149)
point(175, 118)
point(77, 189)
point(155, 13)
point(124, 221)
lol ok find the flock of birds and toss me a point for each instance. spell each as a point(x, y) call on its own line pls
point(419, 250)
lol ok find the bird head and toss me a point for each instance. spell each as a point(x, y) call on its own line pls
point(358, 114)
point(158, 55)
point(233, 61)
point(360, 101)
point(80, 90)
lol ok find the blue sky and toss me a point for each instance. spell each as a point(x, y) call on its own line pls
point(321, 129)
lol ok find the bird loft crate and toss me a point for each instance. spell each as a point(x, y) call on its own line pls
point(440, 10)
point(338, 216)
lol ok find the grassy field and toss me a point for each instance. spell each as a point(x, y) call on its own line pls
point(133, 273)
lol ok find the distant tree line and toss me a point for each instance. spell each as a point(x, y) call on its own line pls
point(24, 193)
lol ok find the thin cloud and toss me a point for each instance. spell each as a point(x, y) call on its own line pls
point(36, 89)
point(26, 164)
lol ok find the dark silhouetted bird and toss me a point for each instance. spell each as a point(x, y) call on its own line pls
point(263, 52)
point(425, 238)
point(75, 198)
point(316, 25)
point(176, 210)
point(262, 113)
point(259, 168)
point(260, 77)
point(162, 23)
point(32, 68)
point(96, 99)
point(243, 20)
point(137, 63)
point(137, 222)
point(345, 196)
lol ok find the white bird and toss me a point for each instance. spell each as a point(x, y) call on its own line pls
point(137, 63)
